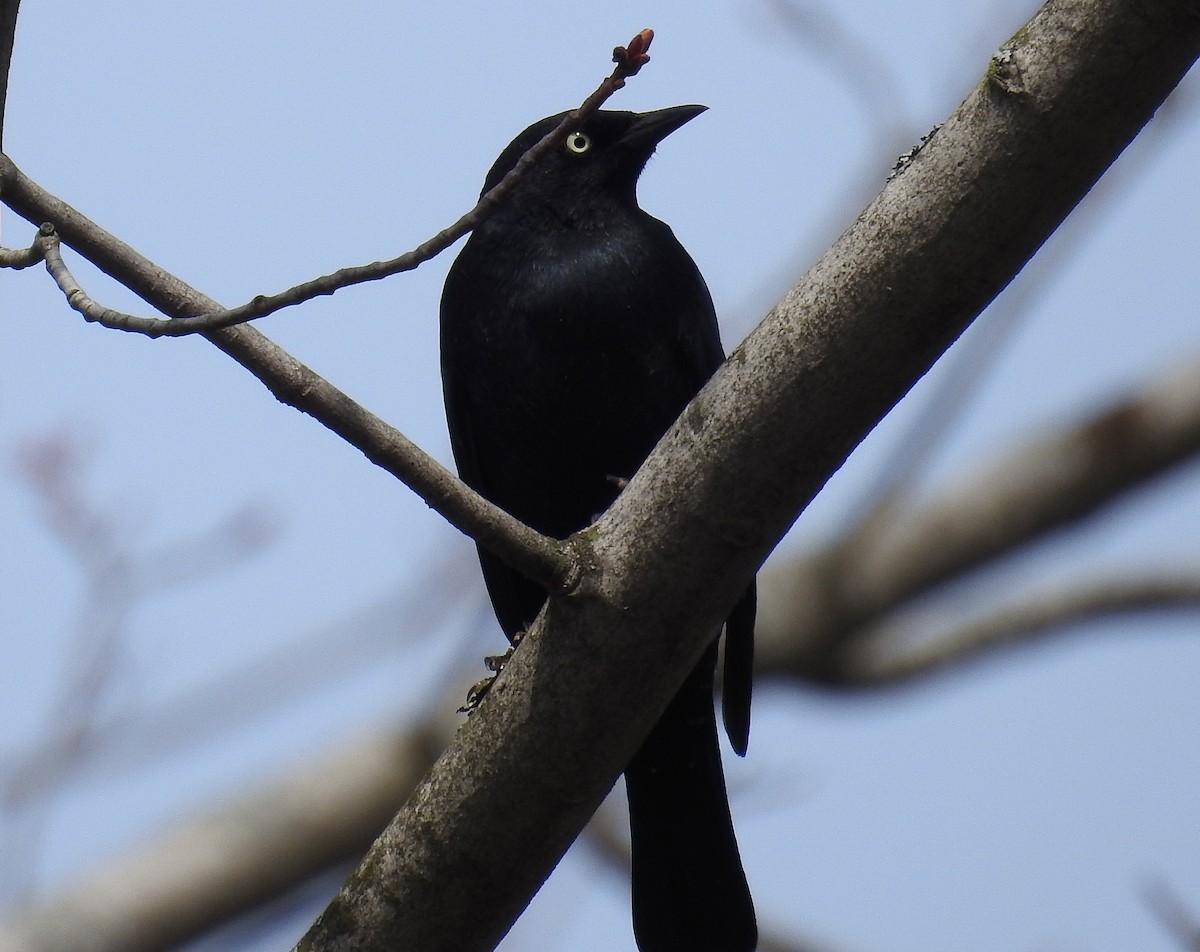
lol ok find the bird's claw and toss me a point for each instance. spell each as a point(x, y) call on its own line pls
point(495, 664)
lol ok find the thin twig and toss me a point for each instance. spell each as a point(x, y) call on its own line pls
point(628, 59)
point(547, 561)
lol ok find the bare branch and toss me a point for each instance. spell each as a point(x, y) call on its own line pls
point(1052, 482)
point(249, 861)
point(552, 563)
point(255, 848)
point(628, 61)
point(229, 861)
point(888, 655)
point(1057, 481)
point(953, 389)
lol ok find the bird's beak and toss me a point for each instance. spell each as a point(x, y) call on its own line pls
point(652, 127)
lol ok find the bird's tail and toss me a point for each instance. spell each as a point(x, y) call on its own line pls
point(689, 890)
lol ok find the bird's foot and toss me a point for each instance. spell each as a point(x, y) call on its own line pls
point(495, 664)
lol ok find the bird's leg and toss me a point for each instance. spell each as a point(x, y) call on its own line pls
point(495, 664)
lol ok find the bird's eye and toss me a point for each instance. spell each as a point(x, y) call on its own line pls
point(578, 143)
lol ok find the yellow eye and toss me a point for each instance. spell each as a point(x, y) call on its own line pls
point(578, 143)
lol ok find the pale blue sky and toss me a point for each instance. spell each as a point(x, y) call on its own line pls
point(249, 146)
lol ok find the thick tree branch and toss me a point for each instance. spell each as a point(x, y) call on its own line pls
point(878, 656)
point(254, 849)
point(679, 545)
point(1168, 416)
point(552, 563)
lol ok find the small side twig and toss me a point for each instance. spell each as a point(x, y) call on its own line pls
point(552, 563)
point(629, 61)
point(20, 258)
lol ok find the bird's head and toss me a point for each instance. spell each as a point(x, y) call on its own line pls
point(601, 158)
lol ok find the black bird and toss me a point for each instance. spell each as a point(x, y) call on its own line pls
point(574, 330)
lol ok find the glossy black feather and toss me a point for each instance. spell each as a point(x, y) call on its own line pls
point(574, 329)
